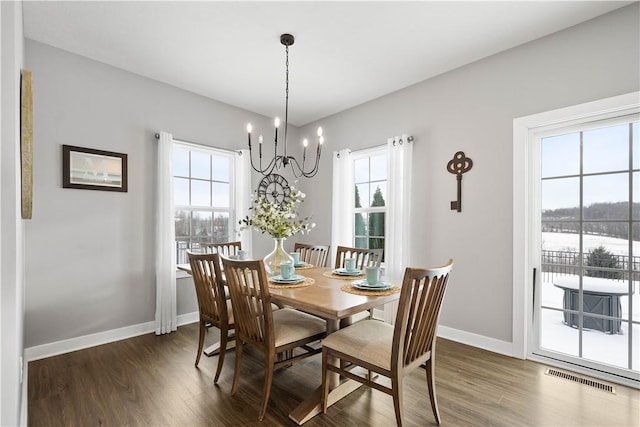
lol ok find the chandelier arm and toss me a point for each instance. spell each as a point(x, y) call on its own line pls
point(301, 172)
point(295, 168)
point(267, 170)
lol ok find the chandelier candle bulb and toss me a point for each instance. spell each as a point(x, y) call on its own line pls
point(260, 144)
point(304, 150)
point(249, 128)
point(276, 123)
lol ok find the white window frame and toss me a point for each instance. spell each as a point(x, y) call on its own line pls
point(231, 209)
point(359, 155)
point(526, 166)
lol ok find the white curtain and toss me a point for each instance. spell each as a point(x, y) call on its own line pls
point(165, 247)
point(243, 197)
point(342, 223)
point(398, 224)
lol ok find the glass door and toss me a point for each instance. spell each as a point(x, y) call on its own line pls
point(587, 296)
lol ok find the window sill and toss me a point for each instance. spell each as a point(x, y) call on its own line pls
point(180, 274)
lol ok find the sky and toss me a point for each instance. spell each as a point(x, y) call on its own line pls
point(605, 160)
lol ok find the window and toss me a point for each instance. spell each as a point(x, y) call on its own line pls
point(576, 197)
point(589, 233)
point(203, 187)
point(370, 193)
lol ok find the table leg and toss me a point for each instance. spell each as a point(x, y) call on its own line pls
point(214, 348)
point(312, 405)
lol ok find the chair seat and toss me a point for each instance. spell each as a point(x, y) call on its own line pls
point(367, 340)
point(292, 325)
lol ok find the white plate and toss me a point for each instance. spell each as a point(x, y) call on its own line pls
point(345, 272)
point(364, 285)
point(296, 278)
point(302, 264)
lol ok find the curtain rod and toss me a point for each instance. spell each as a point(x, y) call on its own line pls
point(239, 152)
point(371, 147)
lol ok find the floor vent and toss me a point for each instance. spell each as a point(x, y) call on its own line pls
point(587, 382)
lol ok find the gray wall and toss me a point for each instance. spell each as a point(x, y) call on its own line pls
point(11, 223)
point(89, 264)
point(472, 109)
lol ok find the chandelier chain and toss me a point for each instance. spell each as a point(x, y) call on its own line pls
point(286, 104)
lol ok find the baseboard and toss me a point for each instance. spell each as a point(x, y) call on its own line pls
point(475, 340)
point(79, 343)
point(92, 340)
point(186, 319)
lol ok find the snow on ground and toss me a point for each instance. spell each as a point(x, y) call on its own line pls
point(569, 242)
point(597, 345)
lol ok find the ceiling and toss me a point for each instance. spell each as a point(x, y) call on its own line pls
point(345, 53)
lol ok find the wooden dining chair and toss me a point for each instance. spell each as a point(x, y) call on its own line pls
point(364, 257)
point(315, 255)
point(393, 350)
point(275, 333)
point(223, 249)
point(213, 305)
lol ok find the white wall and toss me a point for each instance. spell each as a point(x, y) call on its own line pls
point(472, 109)
point(89, 261)
point(11, 224)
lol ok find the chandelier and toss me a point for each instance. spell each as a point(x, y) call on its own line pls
point(282, 160)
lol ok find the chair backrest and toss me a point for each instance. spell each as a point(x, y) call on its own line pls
point(418, 312)
point(205, 269)
point(364, 257)
point(224, 249)
point(249, 288)
point(313, 254)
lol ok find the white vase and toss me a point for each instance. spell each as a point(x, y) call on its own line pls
point(276, 257)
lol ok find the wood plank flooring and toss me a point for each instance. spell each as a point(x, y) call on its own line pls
point(151, 381)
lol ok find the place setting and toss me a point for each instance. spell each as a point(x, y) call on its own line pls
point(288, 279)
point(372, 285)
point(349, 272)
point(297, 263)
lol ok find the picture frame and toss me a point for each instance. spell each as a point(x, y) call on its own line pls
point(89, 169)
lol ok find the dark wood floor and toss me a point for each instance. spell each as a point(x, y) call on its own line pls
point(151, 381)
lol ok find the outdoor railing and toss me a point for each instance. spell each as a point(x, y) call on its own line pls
point(567, 262)
point(181, 251)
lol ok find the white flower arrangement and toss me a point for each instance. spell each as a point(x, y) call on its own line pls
point(275, 219)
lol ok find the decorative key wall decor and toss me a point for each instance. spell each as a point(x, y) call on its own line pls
point(459, 165)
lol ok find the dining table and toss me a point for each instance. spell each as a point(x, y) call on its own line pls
point(333, 298)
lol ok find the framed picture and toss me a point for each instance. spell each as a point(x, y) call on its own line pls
point(90, 169)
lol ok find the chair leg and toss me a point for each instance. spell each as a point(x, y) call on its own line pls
point(431, 385)
point(268, 379)
point(396, 387)
point(325, 380)
point(236, 372)
point(203, 330)
point(223, 348)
